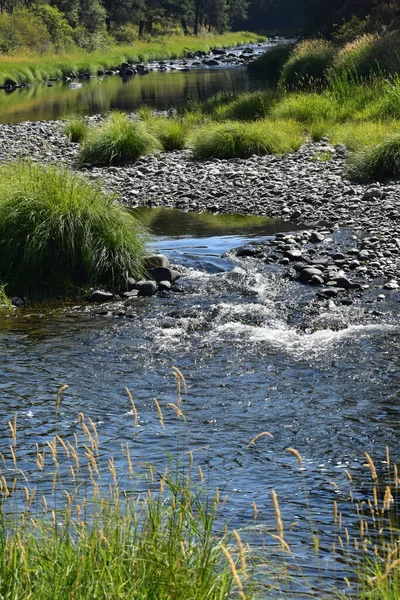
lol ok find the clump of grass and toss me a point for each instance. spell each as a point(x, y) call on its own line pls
point(251, 106)
point(360, 135)
point(377, 162)
point(59, 233)
point(171, 133)
point(242, 140)
point(306, 108)
point(76, 128)
point(145, 112)
point(307, 64)
point(117, 141)
point(369, 55)
point(270, 64)
point(209, 106)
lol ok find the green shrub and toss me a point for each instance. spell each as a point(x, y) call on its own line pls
point(270, 64)
point(76, 128)
point(23, 29)
point(307, 65)
point(251, 106)
point(59, 233)
point(377, 162)
point(117, 141)
point(171, 133)
point(369, 55)
point(306, 108)
point(242, 140)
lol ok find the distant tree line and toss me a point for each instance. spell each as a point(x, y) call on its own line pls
point(94, 24)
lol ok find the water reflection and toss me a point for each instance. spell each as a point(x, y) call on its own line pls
point(158, 90)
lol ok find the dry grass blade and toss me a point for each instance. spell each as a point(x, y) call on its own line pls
point(253, 441)
point(371, 465)
point(234, 572)
point(297, 454)
point(134, 411)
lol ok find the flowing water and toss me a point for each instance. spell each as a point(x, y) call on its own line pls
point(257, 357)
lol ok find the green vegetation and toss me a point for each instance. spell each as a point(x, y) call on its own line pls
point(270, 64)
point(60, 234)
point(76, 128)
point(5, 302)
point(250, 106)
point(171, 133)
point(241, 140)
point(308, 63)
point(117, 141)
point(377, 162)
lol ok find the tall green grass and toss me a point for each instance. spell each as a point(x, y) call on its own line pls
point(76, 128)
point(308, 64)
point(172, 133)
point(242, 140)
point(250, 106)
point(117, 141)
point(377, 162)
point(60, 234)
point(369, 55)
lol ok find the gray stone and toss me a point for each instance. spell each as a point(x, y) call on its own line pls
point(164, 286)
point(156, 260)
point(146, 288)
point(101, 296)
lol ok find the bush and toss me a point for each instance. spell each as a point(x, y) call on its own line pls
point(240, 140)
point(23, 29)
point(171, 133)
point(270, 64)
point(377, 162)
point(251, 106)
point(76, 128)
point(117, 141)
point(59, 233)
point(307, 65)
point(370, 55)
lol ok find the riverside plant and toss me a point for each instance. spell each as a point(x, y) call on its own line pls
point(377, 162)
point(172, 133)
point(76, 128)
point(242, 140)
point(60, 233)
point(117, 141)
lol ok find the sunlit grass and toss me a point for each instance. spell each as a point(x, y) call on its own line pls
point(76, 128)
point(171, 133)
point(242, 140)
point(377, 162)
point(117, 141)
point(60, 234)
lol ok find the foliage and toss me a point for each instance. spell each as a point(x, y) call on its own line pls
point(307, 64)
point(23, 29)
point(117, 141)
point(58, 233)
point(172, 133)
point(5, 302)
point(251, 106)
point(242, 140)
point(377, 162)
point(306, 108)
point(370, 55)
point(76, 128)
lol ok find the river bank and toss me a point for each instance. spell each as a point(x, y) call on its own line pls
point(308, 188)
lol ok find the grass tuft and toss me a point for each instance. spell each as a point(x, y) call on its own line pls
point(270, 64)
point(117, 141)
point(251, 106)
point(76, 128)
point(242, 140)
point(59, 234)
point(307, 65)
point(171, 133)
point(377, 162)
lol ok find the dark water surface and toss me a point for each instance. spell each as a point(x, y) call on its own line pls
point(238, 333)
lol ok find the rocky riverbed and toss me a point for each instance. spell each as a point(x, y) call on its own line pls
point(308, 187)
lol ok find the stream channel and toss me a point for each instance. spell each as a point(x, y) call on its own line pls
point(253, 361)
point(255, 355)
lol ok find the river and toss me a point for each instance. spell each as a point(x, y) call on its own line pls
point(238, 332)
